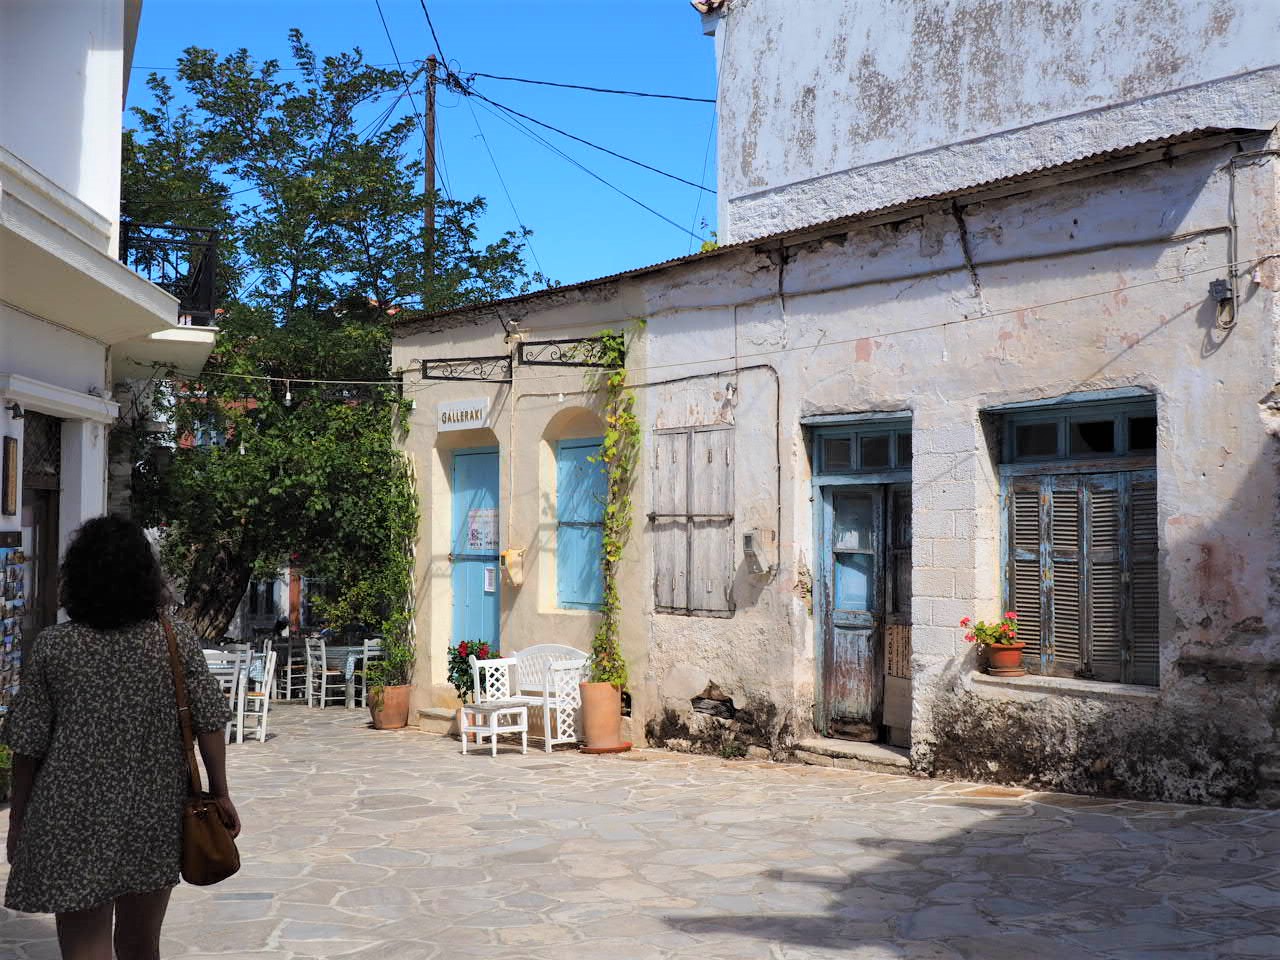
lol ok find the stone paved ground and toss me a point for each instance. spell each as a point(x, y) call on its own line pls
point(393, 846)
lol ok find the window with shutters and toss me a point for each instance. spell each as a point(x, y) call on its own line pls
point(1079, 488)
point(581, 492)
point(692, 521)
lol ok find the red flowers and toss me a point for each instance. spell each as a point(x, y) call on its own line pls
point(1004, 631)
point(463, 649)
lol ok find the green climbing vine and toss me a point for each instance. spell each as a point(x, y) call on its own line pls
point(619, 453)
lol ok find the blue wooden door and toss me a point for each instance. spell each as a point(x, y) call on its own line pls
point(474, 552)
point(853, 614)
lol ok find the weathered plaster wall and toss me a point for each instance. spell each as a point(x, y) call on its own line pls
point(832, 108)
point(1058, 297)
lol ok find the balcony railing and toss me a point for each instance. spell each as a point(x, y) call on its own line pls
point(181, 260)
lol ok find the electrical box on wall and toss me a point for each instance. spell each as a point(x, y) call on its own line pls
point(759, 550)
point(513, 566)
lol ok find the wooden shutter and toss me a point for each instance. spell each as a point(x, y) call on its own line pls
point(670, 530)
point(711, 521)
point(1105, 581)
point(1024, 561)
point(1064, 582)
point(1144, 582)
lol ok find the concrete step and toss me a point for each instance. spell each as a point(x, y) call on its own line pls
point(853, 755)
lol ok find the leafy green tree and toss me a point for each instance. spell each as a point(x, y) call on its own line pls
point(318, 202)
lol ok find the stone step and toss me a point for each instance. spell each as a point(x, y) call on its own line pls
point(439, 720)
point(853, 755)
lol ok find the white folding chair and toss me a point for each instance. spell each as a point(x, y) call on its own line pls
point(230, 667)
point(258, 698)
point(321, 677)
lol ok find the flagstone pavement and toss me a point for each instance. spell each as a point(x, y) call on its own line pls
point(394, 846)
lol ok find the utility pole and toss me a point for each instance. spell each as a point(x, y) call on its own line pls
point(429, 171)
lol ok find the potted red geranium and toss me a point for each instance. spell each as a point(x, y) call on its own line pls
point(1004, 649)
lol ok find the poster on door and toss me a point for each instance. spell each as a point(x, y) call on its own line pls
point(482, 530)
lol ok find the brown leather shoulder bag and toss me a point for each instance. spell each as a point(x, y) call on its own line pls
point(209, 853)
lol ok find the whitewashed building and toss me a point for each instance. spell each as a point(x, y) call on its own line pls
point(74, 321)
point(996, 329)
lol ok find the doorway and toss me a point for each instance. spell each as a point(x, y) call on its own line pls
point(474, 547)
point(863, 585)
point(41, 486)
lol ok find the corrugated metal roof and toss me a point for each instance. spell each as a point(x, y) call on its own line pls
point(1064, 166)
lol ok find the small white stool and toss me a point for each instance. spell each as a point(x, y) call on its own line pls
point(494, 717)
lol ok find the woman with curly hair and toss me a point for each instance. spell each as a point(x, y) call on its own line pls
point(99, 773)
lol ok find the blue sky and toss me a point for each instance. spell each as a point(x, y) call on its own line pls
point(582, 228)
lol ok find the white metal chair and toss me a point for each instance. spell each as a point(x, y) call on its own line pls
point(321, 677)
point(230, 667)
point(372, 651)
point(258, 701)
point(494, 712)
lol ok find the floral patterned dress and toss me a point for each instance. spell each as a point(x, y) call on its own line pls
point(105, 814)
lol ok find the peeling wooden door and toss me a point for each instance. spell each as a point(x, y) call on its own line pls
point(854, 616)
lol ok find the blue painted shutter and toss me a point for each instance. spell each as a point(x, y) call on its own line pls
point(580, 497)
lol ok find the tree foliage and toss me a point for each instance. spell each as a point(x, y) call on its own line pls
point(319, 205)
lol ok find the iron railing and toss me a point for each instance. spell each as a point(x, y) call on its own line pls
point(181, 260)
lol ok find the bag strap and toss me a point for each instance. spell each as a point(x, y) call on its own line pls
point(184, 707)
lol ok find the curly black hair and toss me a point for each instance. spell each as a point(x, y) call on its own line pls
point(110, 575)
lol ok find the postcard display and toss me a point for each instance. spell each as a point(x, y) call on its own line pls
point(12, 608)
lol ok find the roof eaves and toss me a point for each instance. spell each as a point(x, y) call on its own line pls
point(1031, 173)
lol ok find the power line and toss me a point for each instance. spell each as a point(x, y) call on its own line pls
point(432, 27)
point(706, 153)
point(595, 146)
point(576, 86)
point(520, 220)
point(494, 76)
point(589, 172)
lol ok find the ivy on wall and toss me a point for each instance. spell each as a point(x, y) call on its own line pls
point(619, 453)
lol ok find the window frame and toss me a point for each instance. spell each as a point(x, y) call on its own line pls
point(855, 431)
point(576, 443)
point(1126, 473)
point(1063, 415)
point(690, 518)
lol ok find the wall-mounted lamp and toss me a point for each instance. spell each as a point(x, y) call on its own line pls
point(15, 411)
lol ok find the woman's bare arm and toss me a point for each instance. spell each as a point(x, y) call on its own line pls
point(213, 749)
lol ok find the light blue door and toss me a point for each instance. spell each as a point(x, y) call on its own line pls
point(474, 552)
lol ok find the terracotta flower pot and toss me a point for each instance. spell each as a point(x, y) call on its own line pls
point(1005, 659)
point(389, 707)
point(602, 718)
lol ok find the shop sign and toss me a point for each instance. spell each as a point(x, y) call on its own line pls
point(462, 414)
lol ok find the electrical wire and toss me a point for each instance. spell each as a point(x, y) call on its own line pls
point(1028, 308)
point(589, 172)
point(494, 76)
point(706, 153)
point(472, 91)
point(575, 86)
point(520, 220)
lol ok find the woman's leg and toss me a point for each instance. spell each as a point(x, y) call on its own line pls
point(85, 934)
point(139, 917)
